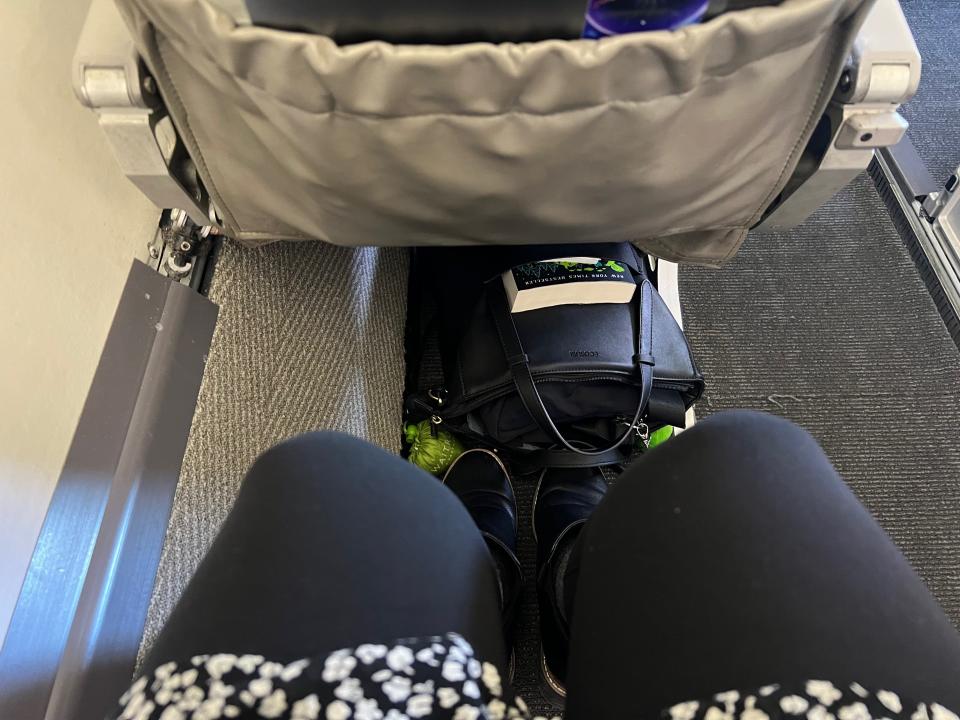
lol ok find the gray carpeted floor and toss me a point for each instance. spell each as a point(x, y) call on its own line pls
point(829, 325)
point(934, 113)
point(310, 336)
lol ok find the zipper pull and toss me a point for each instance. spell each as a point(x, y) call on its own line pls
point(435, 422)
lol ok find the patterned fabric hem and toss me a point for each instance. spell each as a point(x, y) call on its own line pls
point(439, 677)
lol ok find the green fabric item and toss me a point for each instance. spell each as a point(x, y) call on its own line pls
point(433, 454)
point(660, 436)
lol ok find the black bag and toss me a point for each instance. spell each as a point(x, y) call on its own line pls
point(581, 379)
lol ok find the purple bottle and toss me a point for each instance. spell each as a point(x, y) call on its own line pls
point(615, 17)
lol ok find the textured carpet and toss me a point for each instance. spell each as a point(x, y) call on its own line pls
point(934, 113)
point(830, 325)
point(310, 336)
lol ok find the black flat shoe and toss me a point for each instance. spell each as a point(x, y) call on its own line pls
point(482, 483)
point(565, 500)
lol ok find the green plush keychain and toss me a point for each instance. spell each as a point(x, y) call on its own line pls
point(659, 437)
point(433, 454)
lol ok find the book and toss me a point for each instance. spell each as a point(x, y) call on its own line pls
point(568, 281)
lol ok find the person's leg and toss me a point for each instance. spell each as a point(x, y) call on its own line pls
point(733, 557)
point(333, 542)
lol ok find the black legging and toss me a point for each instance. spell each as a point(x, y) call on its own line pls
point(732, 557)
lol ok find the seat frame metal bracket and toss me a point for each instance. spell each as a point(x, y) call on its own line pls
point(110, 78)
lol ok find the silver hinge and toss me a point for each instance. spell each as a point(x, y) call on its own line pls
point(110, 78)
point(882, 72)
point(884, 64)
